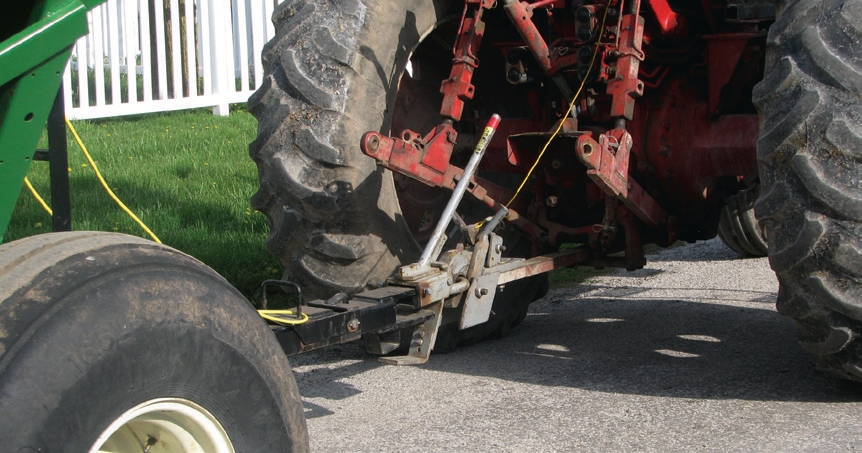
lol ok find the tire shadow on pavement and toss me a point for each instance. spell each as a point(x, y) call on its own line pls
point(656, 347)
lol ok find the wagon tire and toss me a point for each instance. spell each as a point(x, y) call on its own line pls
point(810, 105)
point(113, 343)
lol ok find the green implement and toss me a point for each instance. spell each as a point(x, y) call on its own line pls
point(32, 61)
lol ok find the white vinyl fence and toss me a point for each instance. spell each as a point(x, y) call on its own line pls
point(145, 56)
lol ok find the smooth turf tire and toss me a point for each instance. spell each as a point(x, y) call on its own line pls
point(739, 228)
point(809, 154)
point(332, 73)
point(93, 325)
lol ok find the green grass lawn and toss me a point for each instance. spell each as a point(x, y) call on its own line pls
point(187, 175)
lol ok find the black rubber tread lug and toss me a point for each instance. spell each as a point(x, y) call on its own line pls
point(835, 187)
point(773, 203)
point(841, 295)
point(738, 228)
point(784, 258)
point(314, 148)
point(845, 137)
point(838, 339)
point(310, 91)
point(726, 234)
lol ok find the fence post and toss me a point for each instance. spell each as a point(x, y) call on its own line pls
point(221, 31)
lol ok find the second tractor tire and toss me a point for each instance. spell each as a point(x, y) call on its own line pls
point(810, 160)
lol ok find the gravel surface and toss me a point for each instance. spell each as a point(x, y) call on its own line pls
point(687, 354)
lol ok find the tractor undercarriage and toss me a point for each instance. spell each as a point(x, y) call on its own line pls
point(623, 124)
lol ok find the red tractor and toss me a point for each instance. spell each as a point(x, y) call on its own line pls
point(624, 123)
point(581, 129)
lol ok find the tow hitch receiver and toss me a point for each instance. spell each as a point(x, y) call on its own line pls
point(341, 320)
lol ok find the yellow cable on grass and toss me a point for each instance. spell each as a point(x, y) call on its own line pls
point(269, 315)
point(37, 197)
point(105, 184)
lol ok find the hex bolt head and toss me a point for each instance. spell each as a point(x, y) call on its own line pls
point(480, 292)
point(426, 292)
point(353, 325)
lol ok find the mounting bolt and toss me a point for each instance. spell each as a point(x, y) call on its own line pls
point(481, 292)
point(353, 325)
point(420, 342)
point(448, 282)
point(498, 248)
point(552, 201)
point(555, 164)
point(421, 334)
point(426, 292)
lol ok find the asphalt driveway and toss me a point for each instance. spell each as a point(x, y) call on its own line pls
point(687, 354)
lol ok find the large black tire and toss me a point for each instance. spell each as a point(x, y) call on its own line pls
point(331, 74)
point(809, 152)
point(95, 324)
point(739, 228)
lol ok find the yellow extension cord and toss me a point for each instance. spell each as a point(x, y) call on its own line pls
point(101, 180)
point(562, 121)
point(269, 315)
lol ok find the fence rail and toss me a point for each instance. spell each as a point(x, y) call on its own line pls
point(144, 56)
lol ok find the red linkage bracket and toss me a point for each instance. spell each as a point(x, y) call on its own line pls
point(458, 87)
point(625, 86)
point(607, 163)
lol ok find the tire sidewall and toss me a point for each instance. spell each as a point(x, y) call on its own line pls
point(123, 335)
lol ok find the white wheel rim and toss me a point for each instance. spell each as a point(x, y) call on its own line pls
point(164, 425)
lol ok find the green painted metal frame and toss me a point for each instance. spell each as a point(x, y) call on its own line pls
point(31, 69)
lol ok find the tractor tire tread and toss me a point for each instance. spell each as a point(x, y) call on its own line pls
point(810, 102)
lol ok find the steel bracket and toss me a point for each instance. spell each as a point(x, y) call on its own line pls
point(607, 163)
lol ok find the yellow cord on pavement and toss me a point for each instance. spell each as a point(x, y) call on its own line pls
point(37, 197)
point(271, 315)
point(105, 184)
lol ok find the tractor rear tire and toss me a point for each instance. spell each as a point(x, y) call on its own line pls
point(331, 74)
point(739, 228)
point(113, 343)
point(809, 154)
